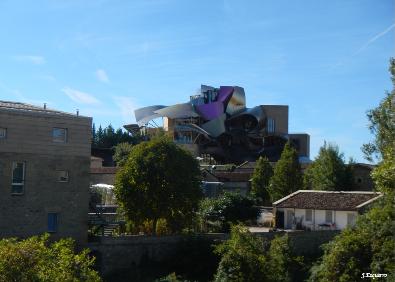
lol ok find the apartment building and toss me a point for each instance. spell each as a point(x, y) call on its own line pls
point(44, 172)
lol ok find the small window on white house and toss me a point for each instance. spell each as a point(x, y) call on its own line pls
point(59, 135)
point(62, 176)
point(351, 219)
point(3, 133)
point(309, 215)
point(18, 178)
point(328, 216)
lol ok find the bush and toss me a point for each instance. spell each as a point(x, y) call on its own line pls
point(34, 259)
point(229, 208)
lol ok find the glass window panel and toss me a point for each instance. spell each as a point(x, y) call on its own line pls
point(59, 135)
point(52, 222)
point(328, 216)
point(18, 170)
point(3, 133)
point(309, 215)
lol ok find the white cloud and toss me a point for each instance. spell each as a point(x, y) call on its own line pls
point(80, 97)
point(126, 106)
point(374, 38)
point(37, 60)
point(102, 76)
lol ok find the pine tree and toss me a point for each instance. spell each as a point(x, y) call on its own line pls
point(329, 171)
point(260, 180)
point(287, 175)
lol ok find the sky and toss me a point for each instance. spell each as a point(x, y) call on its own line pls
point(327, 60)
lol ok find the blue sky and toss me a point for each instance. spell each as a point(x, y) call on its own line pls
point(327, 60)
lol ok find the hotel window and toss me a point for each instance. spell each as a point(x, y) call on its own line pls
point(52, 222)
point(3, 133)
point(59, 135)
point(309, 215)
point(271, 126)
point(62, 176)
point(18, 177)
point(328, 216)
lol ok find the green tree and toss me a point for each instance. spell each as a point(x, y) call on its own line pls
point(282, 264)
point(382, 122)
point(122, 151)
point(228, 208)
point(369, 246)
point(159, 180)
point(329, 171)
point(260, 180)
point(243, 257)
point(287, 175)
point(34, 259)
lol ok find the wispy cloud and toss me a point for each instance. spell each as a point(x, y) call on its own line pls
point(374, 38)
point(126, 106)
point(80, 97)
point(102, 76)
point(33, 59)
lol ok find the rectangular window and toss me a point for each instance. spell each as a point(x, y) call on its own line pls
point(271, 125)
point(351, 219)
point(3, 133)
point(52, 222)
point(59, 135)
point(18, 177)
point(309, 215)
point(328, 216)
point(62, 176)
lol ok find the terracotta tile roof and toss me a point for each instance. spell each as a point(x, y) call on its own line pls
point(326, 200)
point(104, 170)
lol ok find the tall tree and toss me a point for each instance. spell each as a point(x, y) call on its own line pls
point(287, 175)
point(382, 122)
point(329, 171)
point(159, 180)
point(260, 180)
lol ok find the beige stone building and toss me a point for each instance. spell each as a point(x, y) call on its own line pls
point(44, 172)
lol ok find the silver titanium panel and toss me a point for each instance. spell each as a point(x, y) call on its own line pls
point(144, 115)
point(184, 110)
point(237, 102)
point(216, 126)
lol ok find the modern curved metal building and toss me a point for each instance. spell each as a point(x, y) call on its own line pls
point(217, 122)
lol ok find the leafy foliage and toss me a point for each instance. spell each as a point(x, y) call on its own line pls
point(329, 171)
point(34, 259)
point(382, 123)
point(260, 180)
point(159, 180)
point(122, 151)
point(228, 208)
point(243, 257)
point(287, 175)
point(249, 258)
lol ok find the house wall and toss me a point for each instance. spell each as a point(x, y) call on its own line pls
point(318, 217)
point(280, 114)
point(29, 139)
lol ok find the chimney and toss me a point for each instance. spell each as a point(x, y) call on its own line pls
point(45, 106)
point(78, 112)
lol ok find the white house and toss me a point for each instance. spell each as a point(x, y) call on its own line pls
point(320, 210)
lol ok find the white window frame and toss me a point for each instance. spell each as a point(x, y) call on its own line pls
point(311, 215)
point(58, 140)
point(59, 177)
point(3, 133)
point(22, 184)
